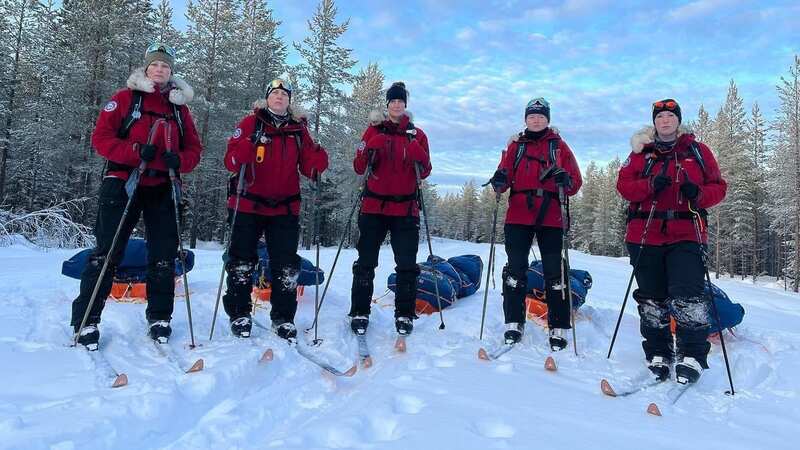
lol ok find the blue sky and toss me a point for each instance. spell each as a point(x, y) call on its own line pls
point(471, 66)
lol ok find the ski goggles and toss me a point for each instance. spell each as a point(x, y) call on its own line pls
point(279, 83)
point(159, 47)
point(538, 102)
point(670, 105)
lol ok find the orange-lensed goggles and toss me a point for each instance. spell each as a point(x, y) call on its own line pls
point(669, 105)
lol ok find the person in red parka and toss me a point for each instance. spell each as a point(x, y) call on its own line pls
point(536, 163)
point(159, 131)
point(390, 148)
point(274, 146)
point(674, 177)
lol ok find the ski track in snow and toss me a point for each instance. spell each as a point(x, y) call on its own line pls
point(437, 395)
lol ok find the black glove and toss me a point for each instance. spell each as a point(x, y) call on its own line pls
point(690, 190)
point(660, 182)
point(562, 178)
point(172, 160)
point(147, 152)
point(499, 180)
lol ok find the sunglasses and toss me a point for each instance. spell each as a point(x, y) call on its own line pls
point(538, 102)
point(159, 47)
point(670, 105)
point(278, 83)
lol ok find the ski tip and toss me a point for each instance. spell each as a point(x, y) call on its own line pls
point(652, 409)
point(400, 344)
point(605, 386)
point(266, 356)
point(351, 371)
point(197, 366)
point(550, 364)
point(366, 362)
point(482, 355)
point(121, 380)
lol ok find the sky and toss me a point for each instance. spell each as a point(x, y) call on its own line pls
point(471, 66)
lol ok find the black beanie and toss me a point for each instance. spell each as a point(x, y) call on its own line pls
point(538, 106)
point(397, 92)
point(667, 104)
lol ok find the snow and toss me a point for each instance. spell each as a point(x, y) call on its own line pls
point(438, 395)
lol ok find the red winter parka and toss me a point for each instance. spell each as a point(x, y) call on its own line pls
point(272, 185)
point(528, 192)
point(123, 153)
point(392, 185)
point(672, 220)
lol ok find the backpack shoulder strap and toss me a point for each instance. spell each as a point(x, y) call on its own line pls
point(551, 153)
point(134, 114)
point(698, 156)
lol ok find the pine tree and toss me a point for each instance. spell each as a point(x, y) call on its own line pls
point(263, 55)
point(756, 142)
point(212, 70)
point(783, 183)
point(165, 30)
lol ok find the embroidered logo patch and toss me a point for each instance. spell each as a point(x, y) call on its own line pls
point(237, 133)
point(627, 162)
point(361, 146)
point(110, 106)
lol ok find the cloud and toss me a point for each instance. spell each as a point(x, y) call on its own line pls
point(465, 34)
point(699, 8)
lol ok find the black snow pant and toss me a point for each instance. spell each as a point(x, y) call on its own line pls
point(519, 239)
point(155, 203)
point(281, 234)
point(404, 237)
point(670, 283)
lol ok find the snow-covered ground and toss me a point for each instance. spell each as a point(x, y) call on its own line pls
point(438, 395)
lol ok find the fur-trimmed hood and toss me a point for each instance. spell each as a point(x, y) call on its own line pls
point(647, 135)
point(376, 116)
point(515, 137)
point(296, 113)
point(180, 94)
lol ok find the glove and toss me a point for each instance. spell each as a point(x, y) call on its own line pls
point(499, 180)
point(660, 182)
point(147, 152)
point(690, 190)
point(244, 155)
point(172, 160)
point(416, 153)
point(562, 178)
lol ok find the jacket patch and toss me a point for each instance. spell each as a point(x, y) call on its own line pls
point(110, 106)
point(237, 133)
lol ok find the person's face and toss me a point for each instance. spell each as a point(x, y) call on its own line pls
point(159, 72)
point(536, 122)
point(396, 109)
point(278, 101)
point(666, 123)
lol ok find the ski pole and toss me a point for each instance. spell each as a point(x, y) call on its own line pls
point(130, 188)
point(316, 269)
point(356, 203)
point(633, 272)
point(491, 260)
point(239, 191)
point(636, 261)
point(176, 200)
point(704, 257)
point(565, 278)
point(430, 247)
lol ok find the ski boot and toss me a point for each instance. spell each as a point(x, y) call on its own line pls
point(241, 327)
point(160, 331)
point(359, 324)
point(404, 325)
point(285, 330)
point(659, 365)
point(557, 340)
point(513, 332)
point(89, 337)
point(688, 370)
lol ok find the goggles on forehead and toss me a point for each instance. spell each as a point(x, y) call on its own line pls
point(670, 105)
point(540, 102)
point(278, 83)
point(159, 47)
